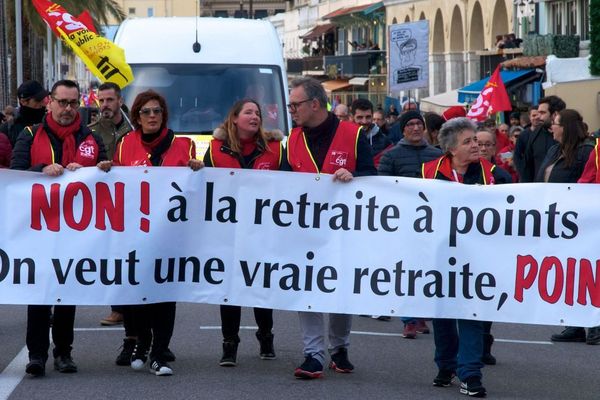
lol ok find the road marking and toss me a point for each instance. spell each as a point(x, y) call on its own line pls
point(522, 341)
point(218, 327)
point(375, 333)
point(98, 329)
point(13, 374)
point(495, 339)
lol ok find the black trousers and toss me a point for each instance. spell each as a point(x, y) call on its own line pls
point(230, 321)
point(154, 325)
point(38, 326)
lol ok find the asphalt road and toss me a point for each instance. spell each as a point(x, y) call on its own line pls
point(387, 366)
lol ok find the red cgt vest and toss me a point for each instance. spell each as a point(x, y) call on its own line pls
point(131, 152)
point(42, 152)
point(597, 158)
point(342, 151)
point(431, 169)
point(270, 159)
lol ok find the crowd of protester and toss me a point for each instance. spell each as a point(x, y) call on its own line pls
point(549, 143)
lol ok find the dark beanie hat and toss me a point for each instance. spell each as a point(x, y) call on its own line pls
point(407, 116)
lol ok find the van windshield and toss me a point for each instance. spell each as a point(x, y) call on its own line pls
point(199, 96)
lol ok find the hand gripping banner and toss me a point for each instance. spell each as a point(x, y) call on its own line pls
point(525, 253)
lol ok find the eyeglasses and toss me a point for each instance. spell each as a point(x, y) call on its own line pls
point(149, 111)
point(481, 144)
point(414, 124)
point(294, 106)
point(556, 123)
point(63, 103)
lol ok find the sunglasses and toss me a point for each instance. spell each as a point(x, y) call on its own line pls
point(149, 111)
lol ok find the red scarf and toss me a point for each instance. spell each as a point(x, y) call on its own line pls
point(248, 146)
point(149, 146)
point(66, 134)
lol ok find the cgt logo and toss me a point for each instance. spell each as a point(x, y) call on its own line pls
point(264, 165)
point(87, 149)
point(339, 158)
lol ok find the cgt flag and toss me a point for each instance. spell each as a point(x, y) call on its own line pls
point(104, 59)
point(492, 99)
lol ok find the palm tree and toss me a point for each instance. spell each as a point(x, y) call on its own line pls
point(34, 34)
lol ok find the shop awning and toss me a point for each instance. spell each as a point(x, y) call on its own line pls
point(364, 10)
point(359, 81)
point(439, 102)
point(335, 84)
point(317, 32)
point(469, 93)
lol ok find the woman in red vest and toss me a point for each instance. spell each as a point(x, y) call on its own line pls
point(152, 144)
point(241, 142)
point(459, 343)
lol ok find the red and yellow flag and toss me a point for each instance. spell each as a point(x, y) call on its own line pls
point(103, 58)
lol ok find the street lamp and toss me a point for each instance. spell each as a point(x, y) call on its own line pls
point(525, 15)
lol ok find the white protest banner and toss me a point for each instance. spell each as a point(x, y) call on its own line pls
point(409, 56)
point(377, 245)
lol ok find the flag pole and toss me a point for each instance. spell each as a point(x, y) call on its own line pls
point(19, 41)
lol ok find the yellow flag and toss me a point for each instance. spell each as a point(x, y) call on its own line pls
point(103, 58)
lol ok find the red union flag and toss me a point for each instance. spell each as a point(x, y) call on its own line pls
point(103, 58)
point(492, 99)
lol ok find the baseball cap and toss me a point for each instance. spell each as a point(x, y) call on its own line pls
point(454, 112)
point(32, 89)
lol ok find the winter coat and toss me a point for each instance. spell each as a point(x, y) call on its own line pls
point(405, 159)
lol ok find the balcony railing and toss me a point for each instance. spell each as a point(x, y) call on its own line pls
point(359, 63)
point(294, 66)
point(313, 65)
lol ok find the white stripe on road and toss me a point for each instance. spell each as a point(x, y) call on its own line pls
point(98, 329)
point(13, 374)
point(495, 339)
point(218, 327)
point(522, 341)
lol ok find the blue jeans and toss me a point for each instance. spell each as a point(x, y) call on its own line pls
point(458, 346)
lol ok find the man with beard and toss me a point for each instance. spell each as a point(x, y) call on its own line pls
point(111, 126)
point(32, 107)
point(59, 142)
point(533, 144)
point(362, 115)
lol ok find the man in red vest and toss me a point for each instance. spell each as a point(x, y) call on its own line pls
point(60, 142)
point(321, 143)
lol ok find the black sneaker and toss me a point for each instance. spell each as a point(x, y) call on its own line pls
point(139, 356)
point(124, 357)
point(311, 368)
point(36, 366)
point(65, 364)
point(593, 336)
point(229, 358)
point(569, 334)
point(267, 351)
point(444, 378)
point(160, 368)
point(472, 387)
point(340, 363)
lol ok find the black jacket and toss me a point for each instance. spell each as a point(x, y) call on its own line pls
point(537, 143)
point(21, 157)
point(25, 117)
point(379, 142)
point(560, 172)
point(405, 159)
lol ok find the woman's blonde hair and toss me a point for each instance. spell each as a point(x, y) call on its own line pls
point(233, 140)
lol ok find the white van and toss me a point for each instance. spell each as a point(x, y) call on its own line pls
point(237, 58)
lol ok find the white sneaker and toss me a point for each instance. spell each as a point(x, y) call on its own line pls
point(160, 368)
